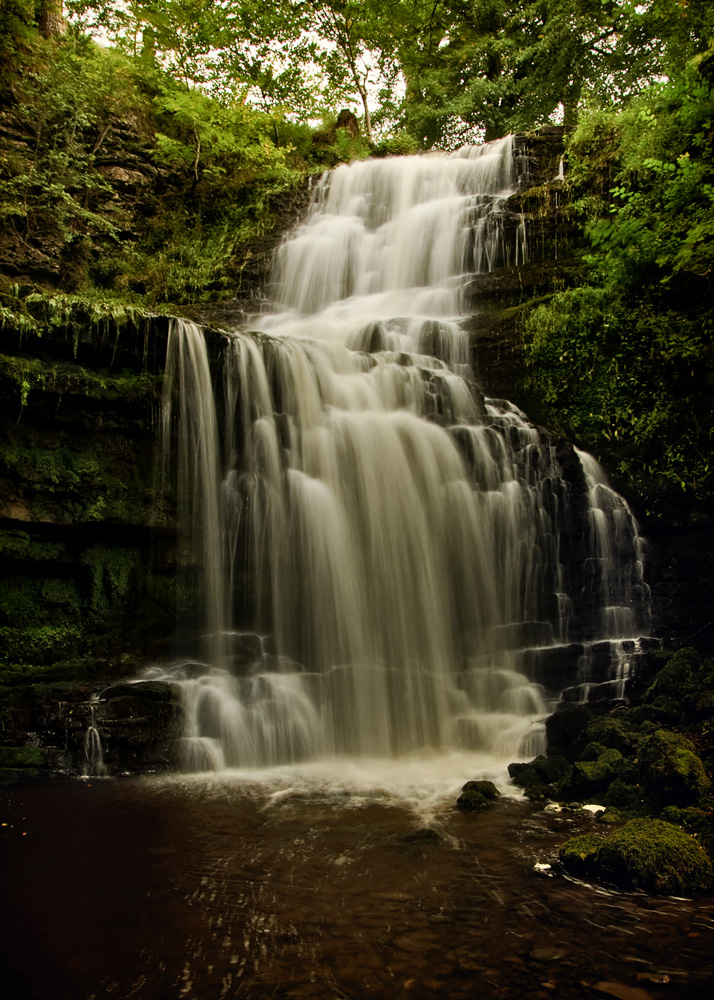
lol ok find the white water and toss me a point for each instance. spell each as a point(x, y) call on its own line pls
point(401, 532)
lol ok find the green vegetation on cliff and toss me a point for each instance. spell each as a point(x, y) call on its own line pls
point(123, 183)
point(624, 363)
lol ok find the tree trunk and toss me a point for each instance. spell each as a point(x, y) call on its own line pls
point(367, 117)
point(51, 19)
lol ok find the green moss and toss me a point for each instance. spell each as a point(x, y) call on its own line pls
point(651, 854)
point(20, 545)
point(577, 855)
point(477, 795)
point(695, 821)
point(672, 771)
point(676, 678)
point(23, 757)
point(612, 732)
point(39, 644)
point(72, 486)
point(30, 375)
point(592, 751)
point(113, 574)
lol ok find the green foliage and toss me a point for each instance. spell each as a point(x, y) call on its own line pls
point(42, 644)
point(50, 188)
point(624, 362)
point(17, 20)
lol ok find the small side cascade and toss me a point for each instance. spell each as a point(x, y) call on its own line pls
point(614, 577)
point(94, 766)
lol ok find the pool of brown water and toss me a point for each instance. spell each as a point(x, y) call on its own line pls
point(206, 889)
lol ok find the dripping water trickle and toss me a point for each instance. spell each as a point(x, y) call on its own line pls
point(94, 766)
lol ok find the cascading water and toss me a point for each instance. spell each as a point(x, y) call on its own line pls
point(402, 534)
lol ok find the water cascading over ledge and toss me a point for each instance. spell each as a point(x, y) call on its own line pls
point(418, 560)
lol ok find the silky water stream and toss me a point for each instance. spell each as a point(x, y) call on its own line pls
point(399, 579)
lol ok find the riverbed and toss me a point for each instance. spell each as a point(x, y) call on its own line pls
point(319, 883)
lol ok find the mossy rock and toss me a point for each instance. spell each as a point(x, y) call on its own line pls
point(698, 822)
point(654, 855)
point(678, 677)
point(612, 815)
point(626, 795)
point(14, 757)
point(672, 771)
point(541, 777)
point(477, 795)
point(612, 732)
point(525, 777)
point(578, 855)
point(592, 751)
point(593, 777)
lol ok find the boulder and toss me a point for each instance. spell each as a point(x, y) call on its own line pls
point(654, 855)
point(671, 769)
point(477, 795)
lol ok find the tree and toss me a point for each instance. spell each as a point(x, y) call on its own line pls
point(50, 18)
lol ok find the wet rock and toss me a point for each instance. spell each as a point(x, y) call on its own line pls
point(139, 724)
point(644, 854)
point(151, 690)
point(424, 835)
point(541, 777)
point(245, 650)
point(19, 775)
point(563, 729)
point(477, 795)
point(553, 954)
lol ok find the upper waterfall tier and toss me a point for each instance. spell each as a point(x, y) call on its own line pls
point(414, 548)
point(386, 247)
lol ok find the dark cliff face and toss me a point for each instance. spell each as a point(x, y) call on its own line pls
point(86, 533)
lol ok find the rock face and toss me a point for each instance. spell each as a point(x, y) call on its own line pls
point(87, 539)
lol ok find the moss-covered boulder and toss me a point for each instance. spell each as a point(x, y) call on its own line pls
point(578, 854)
point(676, 678)
point(612, 732)
point(477, 795)
point(654, 855)
point(541, 777)
point(590, 778)
point(672, 771)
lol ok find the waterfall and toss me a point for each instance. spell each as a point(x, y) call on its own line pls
point(401, 533)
